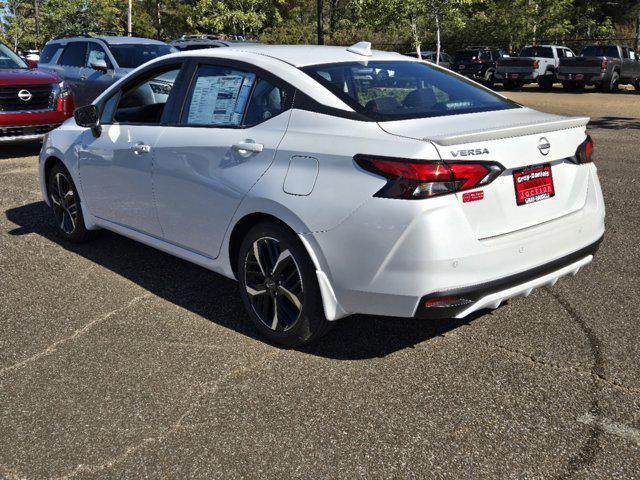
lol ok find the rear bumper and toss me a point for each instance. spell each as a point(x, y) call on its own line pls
point(492, 294)
point(582, 77)
point(520, 76)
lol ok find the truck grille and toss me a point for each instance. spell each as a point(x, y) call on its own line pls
point(32, 97)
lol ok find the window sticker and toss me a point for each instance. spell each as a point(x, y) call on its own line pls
point(219, 100)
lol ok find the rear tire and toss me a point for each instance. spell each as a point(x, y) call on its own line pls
point(279, 286)
point(545, 83)
point(612, 85)
point(636, 84)
point(66, 205)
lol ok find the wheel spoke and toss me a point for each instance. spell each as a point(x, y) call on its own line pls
point(256, 254)
point(291, 296)
point(280, 263)
point(274, 323)
point(253, 292)
point(55, 200)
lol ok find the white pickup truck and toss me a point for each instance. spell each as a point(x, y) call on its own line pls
point(536, 64)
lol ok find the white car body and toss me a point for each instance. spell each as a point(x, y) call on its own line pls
point(372, 255)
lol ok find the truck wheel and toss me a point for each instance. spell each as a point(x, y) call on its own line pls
point(489, 78)
point(636, 84)
point(612, 85)
point(545, 83)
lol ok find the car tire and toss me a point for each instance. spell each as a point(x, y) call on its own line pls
point(66, 205)
point(279, 286)
point(636, 84)
point(489, 78)
point(545, 83)
point(612, 85)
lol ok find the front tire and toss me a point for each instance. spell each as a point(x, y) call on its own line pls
point(66, 205)
point(279, 287)
point(489, 78)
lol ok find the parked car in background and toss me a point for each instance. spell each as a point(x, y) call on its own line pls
point(478, 63)
point(199, 42)
point(32, 57)
point(89, 65)
point(445, 59)
point(325, 192)
point(32, 102)
point(605, 66)
point(536, 64)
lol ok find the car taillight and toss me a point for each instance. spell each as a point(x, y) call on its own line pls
point(584, 154)
point(604, 64)
point(417, 179)
point(536, 63)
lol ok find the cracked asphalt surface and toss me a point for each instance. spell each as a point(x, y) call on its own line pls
point(119, 361)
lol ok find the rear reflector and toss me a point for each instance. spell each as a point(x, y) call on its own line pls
point(417, 179)
point(446, 302)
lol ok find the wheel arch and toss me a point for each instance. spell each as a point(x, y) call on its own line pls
point(48, 165)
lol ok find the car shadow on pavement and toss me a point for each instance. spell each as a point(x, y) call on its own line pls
point(615, 123)
point(216, 298)
point(19, 150)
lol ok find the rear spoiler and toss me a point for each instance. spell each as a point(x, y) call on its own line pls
point(535, 126)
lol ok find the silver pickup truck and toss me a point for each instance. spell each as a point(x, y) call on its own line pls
point(536, 64)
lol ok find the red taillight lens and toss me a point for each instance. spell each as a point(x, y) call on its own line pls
point(604, 64)
point(416, 179)
point(584, 154)
point(536, 63)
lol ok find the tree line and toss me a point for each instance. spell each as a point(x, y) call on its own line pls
point(388, 24)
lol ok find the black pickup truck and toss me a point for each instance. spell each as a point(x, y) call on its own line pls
point(605, 66)
point(478, 63)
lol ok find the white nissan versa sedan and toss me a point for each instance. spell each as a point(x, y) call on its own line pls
point(331, 181)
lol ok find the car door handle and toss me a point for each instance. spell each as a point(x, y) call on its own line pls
point(243, 147)
point(140, 148)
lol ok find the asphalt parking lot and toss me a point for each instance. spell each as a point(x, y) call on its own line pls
point(118, 361)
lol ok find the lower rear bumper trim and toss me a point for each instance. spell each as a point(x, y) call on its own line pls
point(484, 295)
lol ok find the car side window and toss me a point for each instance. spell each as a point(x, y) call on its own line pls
point(267, 100)
point(96, 52)
point(485, 56)
point(561, 52)
point(568, 53)
point(74, 54)
point(144, 103)
point(48, 52)
point(108, 109)
point(218, 96)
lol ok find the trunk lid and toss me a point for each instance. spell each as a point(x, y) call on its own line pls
point(515, 139)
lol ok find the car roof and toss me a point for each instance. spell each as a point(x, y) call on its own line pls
point(112, 40)
point(305, 55)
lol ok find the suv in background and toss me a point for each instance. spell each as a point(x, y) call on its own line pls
point(199, 42)
point(89, 65)
point(605, 66)
point(478, 63)
point(32, 102)
point(536, 63)
point(430, 56)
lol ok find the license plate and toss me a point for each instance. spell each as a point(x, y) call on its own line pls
point(533, 184)
point(579, 76)
point(514, 75)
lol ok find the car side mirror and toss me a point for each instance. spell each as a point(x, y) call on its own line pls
point(88, 117)
point(99, 65)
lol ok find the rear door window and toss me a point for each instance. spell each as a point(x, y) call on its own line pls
point(74, 54)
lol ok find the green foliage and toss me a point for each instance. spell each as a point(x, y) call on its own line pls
point(392, 24)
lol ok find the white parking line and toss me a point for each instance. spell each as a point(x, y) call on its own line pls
point(607, 426)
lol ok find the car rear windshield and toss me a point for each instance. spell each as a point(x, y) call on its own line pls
point(134, 55)
point(467, 55)
point(8, 59)
point(542, 52)
point(600, 51)
point(397, 90)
